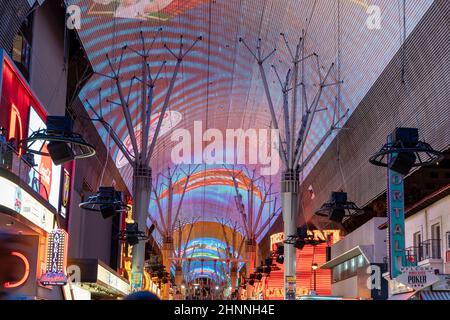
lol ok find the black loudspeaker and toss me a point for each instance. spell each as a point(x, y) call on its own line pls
point(57, 125)
point(336, 215)
point(267, 271)
point(339, 198)
point(406, 137)
point(328, 253)
point(302, 232)
point(402, 162)
point(280, 249)
point(337, 212)
point(107, 211)
point(60, 152)
point(299, 244)
point(132, 231)
point(280, 259)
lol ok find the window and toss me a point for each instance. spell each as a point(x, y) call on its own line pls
point(448, 240)
point(21, 50)
point(436, 241)
point(417, 240)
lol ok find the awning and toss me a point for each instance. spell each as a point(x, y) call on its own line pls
point(99, 278)
point(402, 296)
point(435, 295)
point(366, 251)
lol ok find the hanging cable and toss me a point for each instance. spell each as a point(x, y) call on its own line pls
point(404, 42)
point(338, 100)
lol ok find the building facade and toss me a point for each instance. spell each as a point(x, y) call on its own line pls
point(354, 261)
point(42, 66)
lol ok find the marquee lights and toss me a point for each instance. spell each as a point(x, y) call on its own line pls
point(56, 259)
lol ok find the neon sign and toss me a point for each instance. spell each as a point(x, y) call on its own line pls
point(26, 274)
point(55, 274)
point(396, 221)
point(275, 239)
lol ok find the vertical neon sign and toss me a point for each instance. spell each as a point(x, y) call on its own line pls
point(396, 220)
point(56, 261)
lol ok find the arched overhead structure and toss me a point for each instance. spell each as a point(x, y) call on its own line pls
point(220, 83)
point(208, 250)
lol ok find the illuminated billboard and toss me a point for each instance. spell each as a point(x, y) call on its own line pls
point(50, 174)
point(22, 114)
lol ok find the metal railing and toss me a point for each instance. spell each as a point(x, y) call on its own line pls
point(23, 167)
point(429, 249)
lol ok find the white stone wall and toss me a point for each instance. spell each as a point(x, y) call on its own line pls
point(438, 212)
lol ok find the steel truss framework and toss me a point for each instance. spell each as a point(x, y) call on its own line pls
point(292, 144)
point(141, 152)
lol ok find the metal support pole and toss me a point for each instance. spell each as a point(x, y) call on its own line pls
point(233, 276)
point(142, 176)
point(166, 251)
point(289, 198)
point(251, 257)
point(178, 276)
point(315, 280)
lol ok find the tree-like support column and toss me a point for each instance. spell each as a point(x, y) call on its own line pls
point(292, 144)
point(233, 276)
point(178, 276)
point(167, 249)
point(142, 177)
point(250, 249)
point(289, 198)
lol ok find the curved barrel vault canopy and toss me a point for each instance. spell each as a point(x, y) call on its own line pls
point(219, 83)
point(207, 241)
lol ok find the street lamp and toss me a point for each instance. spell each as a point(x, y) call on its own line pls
point(314, 267)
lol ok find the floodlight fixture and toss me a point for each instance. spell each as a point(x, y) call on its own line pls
point(338, 208)
point(302, 238)
point(132, 235)
point(107, 201)
point(64, 145)
point(404, 150)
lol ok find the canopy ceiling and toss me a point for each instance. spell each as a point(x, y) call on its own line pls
point(219, 83)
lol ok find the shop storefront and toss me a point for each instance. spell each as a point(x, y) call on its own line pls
point(307, 278)
point(34, 193)
point(95, 277)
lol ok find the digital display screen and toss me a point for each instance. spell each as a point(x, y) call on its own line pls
point(49, 173)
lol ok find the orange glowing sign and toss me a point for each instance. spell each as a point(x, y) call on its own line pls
point(26, 274)
point(275, 239)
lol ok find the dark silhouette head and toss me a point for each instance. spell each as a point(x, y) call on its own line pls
point(142, 295)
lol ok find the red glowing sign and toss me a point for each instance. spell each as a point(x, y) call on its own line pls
point(26, 273)
point(22, 114)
